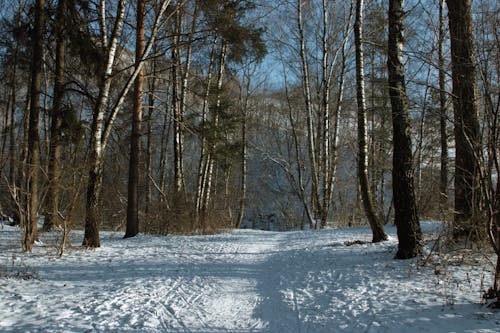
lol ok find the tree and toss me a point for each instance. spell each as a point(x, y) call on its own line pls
point(375, 223)
point(405, 208)
point(244, 106)
point(135, 137)
point(54, 170)
point(306, 86)
point(233, 39)
point(317, 82)
point(33, 158)
point(101, 126)
point(443, 179)
point(466, 124)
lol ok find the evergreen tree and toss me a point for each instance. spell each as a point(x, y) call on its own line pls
point(405, 207)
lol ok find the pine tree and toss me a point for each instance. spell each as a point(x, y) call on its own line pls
point(466, 124)
point(54, 171)
point(33, 156)
point(405, 208)
point(135, 139)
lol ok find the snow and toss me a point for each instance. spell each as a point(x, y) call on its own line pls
point(240, 281)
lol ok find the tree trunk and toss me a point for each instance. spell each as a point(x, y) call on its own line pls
point(149, 138)
point(325, 119)
point(5, 127)
point(94, 187)
point(185, 72)
point(210, 178)
point(33, 158)
point(22, 179)
point(244, 137)
point(132, 228)
point(306, 86)
point(243, 195)
point(375, 223)
point(165, 134)
point(419, 150)
point(443, 174)
point(203, 163)
point(93, 215)
point(406, 216)
point(54, 171)
point(177, 110)
point(13, 144)
point(12, 131)
point(101, 127)
point(466, 130)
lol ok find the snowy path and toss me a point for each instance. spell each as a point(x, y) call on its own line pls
point(246, 281)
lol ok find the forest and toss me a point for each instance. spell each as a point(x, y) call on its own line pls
point(192, 117)
point(249, 166)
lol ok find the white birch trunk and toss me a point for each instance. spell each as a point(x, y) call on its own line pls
point(309, 111)
point(100, 130)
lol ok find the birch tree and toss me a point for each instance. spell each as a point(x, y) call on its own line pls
point(176, 106)
point(322, 120)
point(375, 223)
point(306, 86)
point(102, 118)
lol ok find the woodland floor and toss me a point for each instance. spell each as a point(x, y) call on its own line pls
point(242, 281)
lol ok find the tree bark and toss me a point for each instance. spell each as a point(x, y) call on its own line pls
point(200, 189)
point(375, 223)
point(209, 176)
point(443, 174)
point(54, 171)
point(94, 187)
point(466, 130)
point(177, 109)
point(306, 86)
point(185, 72)
point(149, 138)
point(325, 159)
point(101, 127)
point(244, 138)
point(33, 158)
point(13, 144)
point(132, 228)
point(405, 208)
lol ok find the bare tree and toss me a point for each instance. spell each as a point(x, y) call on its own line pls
point(177, 107)
point(322, 119)
point(306, 86)
point(375, 223)
point(101, 126)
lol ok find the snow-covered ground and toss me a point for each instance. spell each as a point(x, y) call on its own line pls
point(243, 281)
